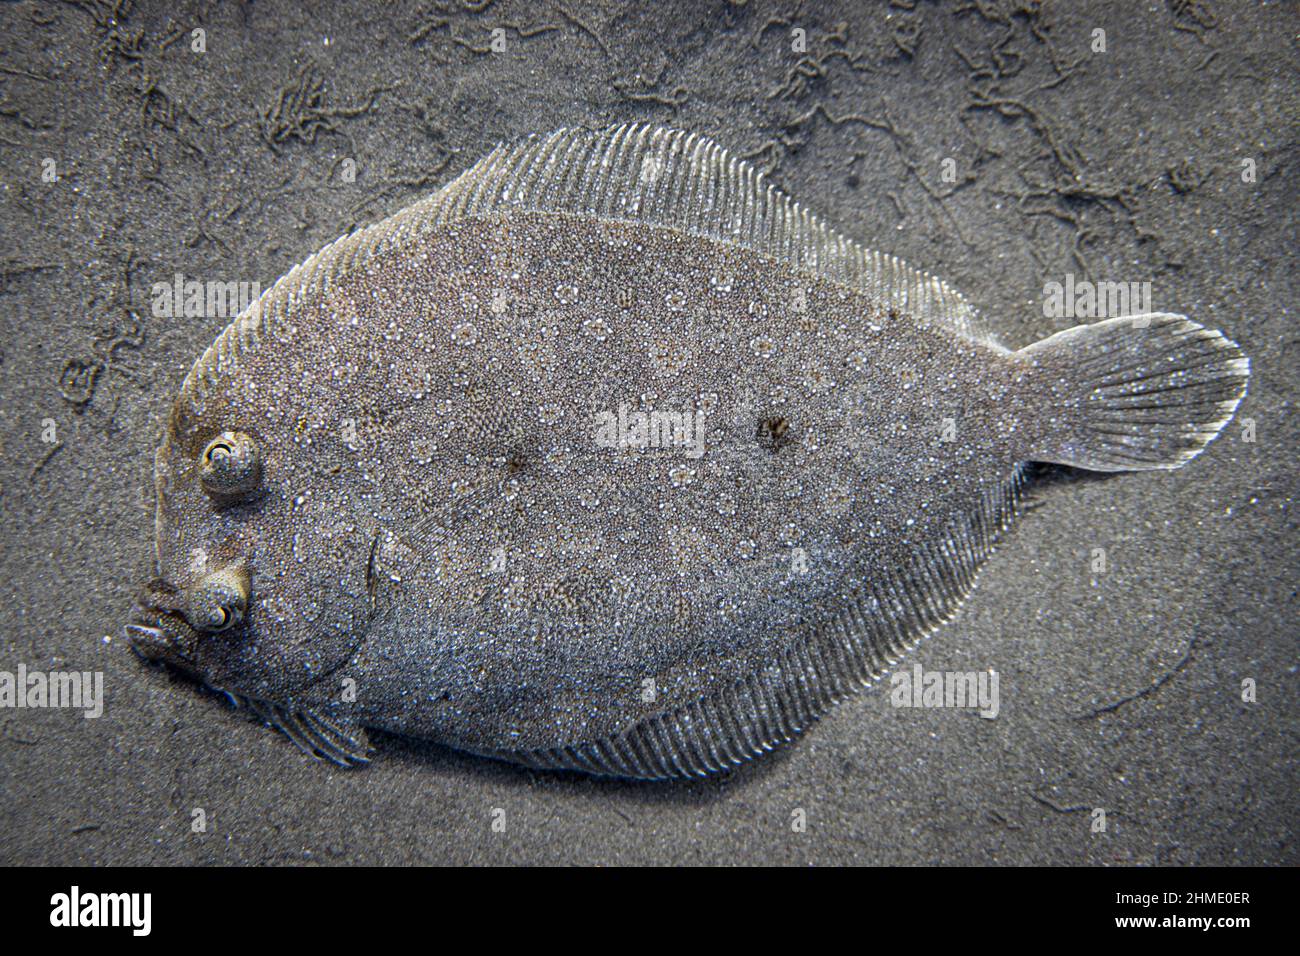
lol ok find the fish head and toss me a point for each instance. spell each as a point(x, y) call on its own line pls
point(253, 594)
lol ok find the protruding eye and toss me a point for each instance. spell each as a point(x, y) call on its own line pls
point(219, 601)
point(230, 468)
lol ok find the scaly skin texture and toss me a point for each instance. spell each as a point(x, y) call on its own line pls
point(439, 524)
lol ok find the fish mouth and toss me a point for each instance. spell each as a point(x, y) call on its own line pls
point(143, 634)
point(150, 635)
point(157, 630)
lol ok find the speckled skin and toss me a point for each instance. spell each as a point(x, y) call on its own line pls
point(440, 525)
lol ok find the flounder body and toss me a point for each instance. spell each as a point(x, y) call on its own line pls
point(609, 456)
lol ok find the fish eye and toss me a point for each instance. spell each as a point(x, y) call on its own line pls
point(230, 467)
point(219, 601)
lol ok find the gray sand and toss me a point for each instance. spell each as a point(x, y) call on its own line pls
point(1120, 690)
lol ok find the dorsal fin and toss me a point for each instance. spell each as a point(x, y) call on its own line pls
point(634, 172)
point(685, 181)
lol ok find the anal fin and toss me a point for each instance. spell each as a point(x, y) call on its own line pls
point(778, 701)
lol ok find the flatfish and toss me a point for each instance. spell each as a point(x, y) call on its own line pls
point(609, 456)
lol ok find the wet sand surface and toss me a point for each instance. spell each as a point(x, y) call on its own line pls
point(1120, 689)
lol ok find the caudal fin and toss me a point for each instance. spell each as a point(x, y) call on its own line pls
point(1136, 393)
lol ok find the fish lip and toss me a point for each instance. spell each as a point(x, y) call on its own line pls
point(145, 640)
point(149, 641)
point(149, 634)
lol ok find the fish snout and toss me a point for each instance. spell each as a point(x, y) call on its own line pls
point(157, 635)
point(150, 642)
point(158, 630)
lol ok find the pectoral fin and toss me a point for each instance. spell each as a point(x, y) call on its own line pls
point(338, 740)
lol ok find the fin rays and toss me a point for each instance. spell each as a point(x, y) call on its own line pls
point(774, 704)
point(636, 172)
point(312, 733)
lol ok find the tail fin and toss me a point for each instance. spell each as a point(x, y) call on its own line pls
point(1137, 393)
